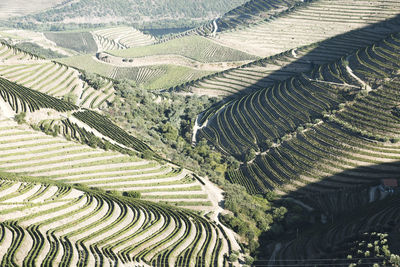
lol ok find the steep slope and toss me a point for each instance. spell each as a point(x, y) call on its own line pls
point(28, 151)
point(52, 224)
point(51, 77)
point(292, 29)
point(300, 120)
point(120, 38)
point(267, 71)
point(364, 237)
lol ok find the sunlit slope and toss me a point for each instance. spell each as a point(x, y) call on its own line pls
point(52, 224)
point(27, 151)
point(308, 24)
point(51, 78)
point(121, 38)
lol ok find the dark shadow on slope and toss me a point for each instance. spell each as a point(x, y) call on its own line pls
point(325, 52)
point(327, 222)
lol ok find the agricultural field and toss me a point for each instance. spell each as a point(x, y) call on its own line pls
point(51, 78)
point(82, 42)
point(120, 38)
point(152, 77)
point(313, 111)
point(47, 223)
point(292, 29)
point(253, 133)
point(193, 47)
point(265, 72)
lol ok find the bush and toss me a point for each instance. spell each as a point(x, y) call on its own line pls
point(132, 194)
point(20, 118)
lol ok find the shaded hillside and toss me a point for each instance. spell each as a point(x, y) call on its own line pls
point(292, 29)
point(365, 236)
point(337, 101)
point(267, 71)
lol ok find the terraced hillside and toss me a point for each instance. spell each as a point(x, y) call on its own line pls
point(150, 76)
point(292, 29)
point(120, 38)
point(82, 42)
point(250, 12)
point(193, 47)
point(267, 71)
point(27, 151)
point(51, 78)
point(295, 125)
point(52, 224)
point(352, 235)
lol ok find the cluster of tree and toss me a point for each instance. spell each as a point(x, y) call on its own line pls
point(166, 121)
point(93, 80)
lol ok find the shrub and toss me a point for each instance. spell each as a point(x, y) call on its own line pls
point(20, 118)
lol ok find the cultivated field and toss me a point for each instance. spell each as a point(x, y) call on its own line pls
point(51, 78)
point(53, 224)
point(298, 123)
point(193, 47)
point(292, 29)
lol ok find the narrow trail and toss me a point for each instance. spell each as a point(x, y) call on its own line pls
point(350, 71)
point(197, 127)
point(214, 33)
point(216, 197)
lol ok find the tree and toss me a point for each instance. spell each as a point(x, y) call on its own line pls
point(70, 98)
point(20, 118)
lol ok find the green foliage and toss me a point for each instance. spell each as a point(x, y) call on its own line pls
point(93, 80)
point(132, 194)
point(20, 118)
point(70, 98)
point(167, 14)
